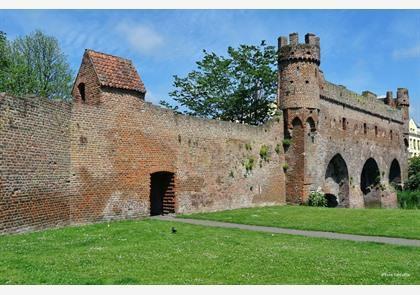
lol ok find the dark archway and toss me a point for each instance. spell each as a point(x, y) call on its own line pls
point(332, 200)
point(162, 193)
point(370, 176)
point(296, 122)
point(310, 123)
point(337, 182)
point(395, 173)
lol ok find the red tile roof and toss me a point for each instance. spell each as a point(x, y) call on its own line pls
point(116, 72)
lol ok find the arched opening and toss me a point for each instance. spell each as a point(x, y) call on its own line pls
point(370, 176)
point(331, 200)
point(310, 123)
point(82, 91)
point(337, 182)
point(296, 122)
point(395, 174)
point(162, 193)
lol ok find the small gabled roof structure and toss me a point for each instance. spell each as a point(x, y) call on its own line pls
point(116, 72)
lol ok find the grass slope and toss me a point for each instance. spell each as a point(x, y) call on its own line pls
point(146, 252)
point(378, 222)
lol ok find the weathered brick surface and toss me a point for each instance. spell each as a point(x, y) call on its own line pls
point(34, 163)
point(93, 159)
point(356, 127)
point(133, 139)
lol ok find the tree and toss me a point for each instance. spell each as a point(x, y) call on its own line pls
point(239, 88)
point(413, 181)
point(36, 65)
point(3, 56)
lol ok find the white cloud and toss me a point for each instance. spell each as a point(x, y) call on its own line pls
point(412, 52)
point(140, 37)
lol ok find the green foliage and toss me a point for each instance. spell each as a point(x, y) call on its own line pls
point(413, 181)
point(249, 164)
point(264, 153)
point(409, 199)
point(285, 166)
point(248, 147)
point(286, 142)
point(239, 88)
point(277, 149)
point(34, 64)
point(317, 199)
point(231, 174)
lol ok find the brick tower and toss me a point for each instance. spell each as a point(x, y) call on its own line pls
point(299, 98)
point(403, 103)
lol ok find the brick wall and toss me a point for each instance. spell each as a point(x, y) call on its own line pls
point(70, 163)
point(34, 163)
point(131, 139)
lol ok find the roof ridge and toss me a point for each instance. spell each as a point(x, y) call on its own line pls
point(107, 54)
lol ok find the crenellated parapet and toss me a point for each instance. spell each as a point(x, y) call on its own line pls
point(368, 102)
point(293, 51)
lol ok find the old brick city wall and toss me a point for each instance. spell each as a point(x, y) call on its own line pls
point(34, 163)
point(351, 146)
point(93, 159)
point(112, 163)
point(111, 155)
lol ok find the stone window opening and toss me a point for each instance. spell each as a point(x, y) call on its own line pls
point(364, 128)
point(344, 122)
point(82, 91)
point(390, 134)
point(376, 130)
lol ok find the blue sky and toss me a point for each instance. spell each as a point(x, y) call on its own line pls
point(375, 50)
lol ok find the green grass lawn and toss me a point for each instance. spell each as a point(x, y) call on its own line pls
point(378, 222)
point(146, 252)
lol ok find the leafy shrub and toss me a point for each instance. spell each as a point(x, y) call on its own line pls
point(317, 199)
point(287, 142)
point(285, 166)
point(413, 181)
point(264, 152)
point(249, 164)
point(409, 199)
point(277, 149)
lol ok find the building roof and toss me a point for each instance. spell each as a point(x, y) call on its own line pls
point(116, 72)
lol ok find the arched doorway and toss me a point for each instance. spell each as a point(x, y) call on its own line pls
point(395, 173)
point(162, 193)
point(370, 176)
point(337, 182)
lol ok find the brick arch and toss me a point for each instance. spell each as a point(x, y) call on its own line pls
point(336, 181)
point(310, 124)
point(394, 176)
point(297, 122)
point(370, 175)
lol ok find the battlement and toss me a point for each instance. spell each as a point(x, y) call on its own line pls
point(367, 102)
point(291, 50)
